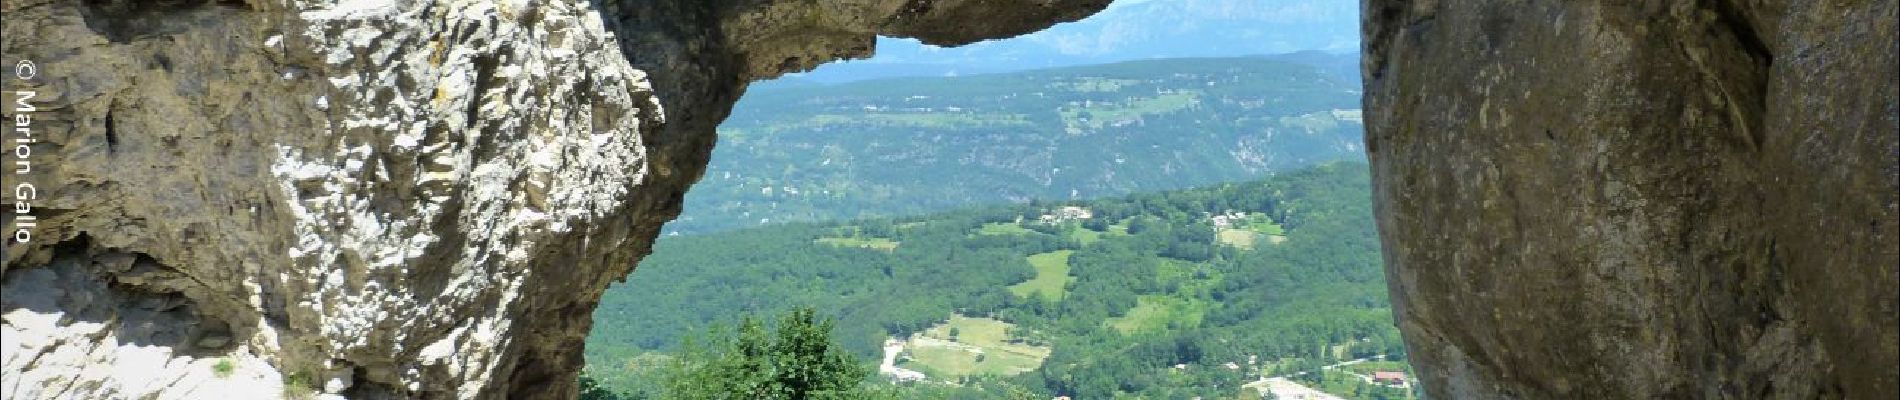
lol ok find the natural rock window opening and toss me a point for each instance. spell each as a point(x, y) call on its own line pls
point(427, 199)
point(1004, 146)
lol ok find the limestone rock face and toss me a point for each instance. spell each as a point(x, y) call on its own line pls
point(372, 199)
point(1654, 199)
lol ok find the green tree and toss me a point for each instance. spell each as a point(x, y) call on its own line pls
point(798, 361)
point(591, 389)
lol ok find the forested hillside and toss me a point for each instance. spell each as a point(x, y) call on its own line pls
point(1162, 295)
point(914, 145)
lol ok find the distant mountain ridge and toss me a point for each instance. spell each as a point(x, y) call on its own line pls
point(1143, 30)
point(804, 152)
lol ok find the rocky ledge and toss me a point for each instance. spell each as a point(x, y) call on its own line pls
point(1640, 200)
point(372, 199)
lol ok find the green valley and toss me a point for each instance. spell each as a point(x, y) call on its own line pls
point(1140, 296)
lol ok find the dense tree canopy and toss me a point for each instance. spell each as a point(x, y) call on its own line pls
point(796, 361)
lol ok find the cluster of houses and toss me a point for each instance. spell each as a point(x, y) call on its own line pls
point(1229, 220)
point(1389, 378)
point(1066, 214)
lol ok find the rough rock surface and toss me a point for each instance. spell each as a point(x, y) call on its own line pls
point(408, 199)
point(1640, 199)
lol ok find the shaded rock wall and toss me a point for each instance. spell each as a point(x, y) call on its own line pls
point(1658, 199)
point(409, 199)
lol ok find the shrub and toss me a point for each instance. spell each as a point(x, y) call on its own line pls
point(224, 368)
point(299, 386)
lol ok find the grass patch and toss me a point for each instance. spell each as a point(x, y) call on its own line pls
point(1249, 231)
point(1085, 236)
point(299, 386)
point(1158, 313)
point(1052, 275)
point(1243, 239)
point(1268, 228)
point(859, 242)
point(1003, 228)
point(1260, 222)
point(935, 354)
point(224, 368)
point(1102, 114)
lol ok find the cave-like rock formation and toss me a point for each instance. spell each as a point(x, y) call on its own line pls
point(1639, 199)
point(377, 199)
